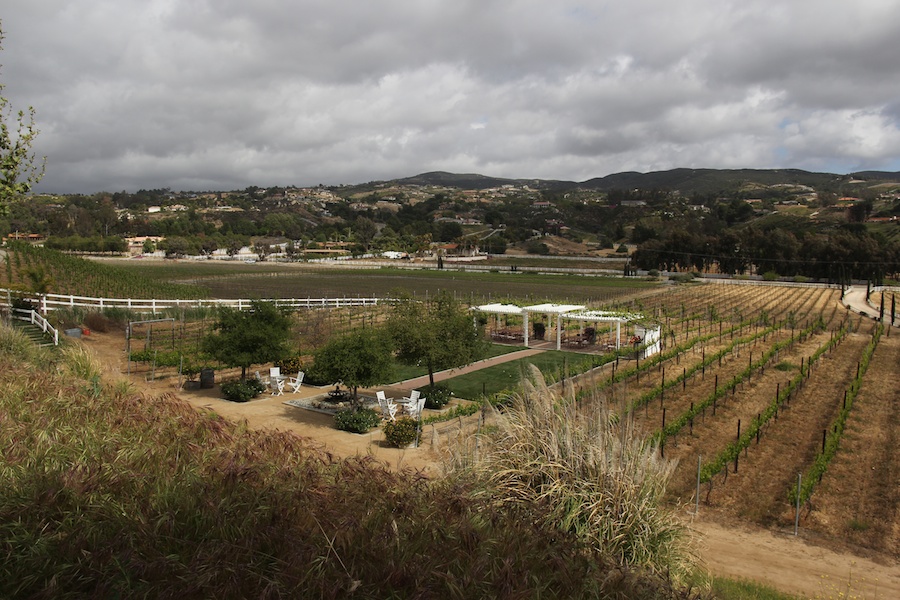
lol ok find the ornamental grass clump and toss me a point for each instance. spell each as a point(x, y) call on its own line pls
point(578, 468)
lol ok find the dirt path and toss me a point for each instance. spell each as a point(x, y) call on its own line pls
point(792, 564)
point(476, 366)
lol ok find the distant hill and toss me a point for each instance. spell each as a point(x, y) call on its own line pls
point(687, 181)
point(711, 180)
point(466, 181)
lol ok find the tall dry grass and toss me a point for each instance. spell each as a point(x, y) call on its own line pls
point(576, 467)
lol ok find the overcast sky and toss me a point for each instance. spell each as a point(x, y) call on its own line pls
point(223, 94)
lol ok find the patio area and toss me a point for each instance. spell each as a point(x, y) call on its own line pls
point(569, 327)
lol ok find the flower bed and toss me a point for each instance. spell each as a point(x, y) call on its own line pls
point(323, 405)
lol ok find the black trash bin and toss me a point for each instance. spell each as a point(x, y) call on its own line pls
point(207, 378)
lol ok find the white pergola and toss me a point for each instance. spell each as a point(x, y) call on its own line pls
point(499, 309)
point(604, 316)
point(551, 309)
point(574, 312)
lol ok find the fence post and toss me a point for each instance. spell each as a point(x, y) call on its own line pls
point(697, 499)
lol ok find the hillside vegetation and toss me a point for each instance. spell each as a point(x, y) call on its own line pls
point(108, 493)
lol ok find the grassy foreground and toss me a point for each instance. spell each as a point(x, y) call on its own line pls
point(112, 494)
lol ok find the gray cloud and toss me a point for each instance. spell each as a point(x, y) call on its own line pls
point(224, 94)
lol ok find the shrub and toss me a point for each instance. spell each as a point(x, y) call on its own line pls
point(401, 433)
point(770, 276)
point(292, 364)
point(681, 277)
point(537, 247)
point(96, 322)
point(242, 390)
point(119, 317)
point(539, 330)
point(360, 420)
point(436, 396)
point(653, 273)
point(622, 249)
point(190, 371)
point(313, 376)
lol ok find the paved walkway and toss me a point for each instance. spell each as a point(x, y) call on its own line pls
point(855, 299)
point(476, 366)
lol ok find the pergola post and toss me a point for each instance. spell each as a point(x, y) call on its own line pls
point(559, 331)
point(525, 326)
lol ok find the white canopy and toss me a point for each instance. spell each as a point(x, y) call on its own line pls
point(499, 309)
point(605, 316)
point(556, 309)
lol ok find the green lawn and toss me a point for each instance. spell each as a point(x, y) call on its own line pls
point(508, 375)
point(403, 372)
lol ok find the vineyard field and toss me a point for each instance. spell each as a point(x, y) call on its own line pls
point(772, 340)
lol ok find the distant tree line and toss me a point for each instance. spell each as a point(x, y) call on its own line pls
point(845, 252)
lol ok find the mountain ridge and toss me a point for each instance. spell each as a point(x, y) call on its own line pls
point(683, 179)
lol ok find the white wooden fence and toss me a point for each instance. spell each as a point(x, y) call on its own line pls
point(726, 281)
point(37, 320)
point(50, 302)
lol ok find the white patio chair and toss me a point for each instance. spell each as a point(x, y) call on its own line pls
point(413, 396)
point(274, 372)
point(415, 408)
point(296, 382)
point(278, 386)
point(388, 406)
point(264, 380)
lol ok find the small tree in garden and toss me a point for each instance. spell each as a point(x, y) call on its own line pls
point(439, 334)
point(362, 357)
point(245, 338)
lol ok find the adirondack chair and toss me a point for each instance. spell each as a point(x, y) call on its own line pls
point(413, 396)
point(278, 386)
point(415, 408)
point(295, 382)
point(388, 406)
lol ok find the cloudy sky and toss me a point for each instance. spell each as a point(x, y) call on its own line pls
point(222, 94)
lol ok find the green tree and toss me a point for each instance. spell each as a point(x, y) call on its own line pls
point(439, 334)
point(18, 168)
point(362, 357)
point(245, 338)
